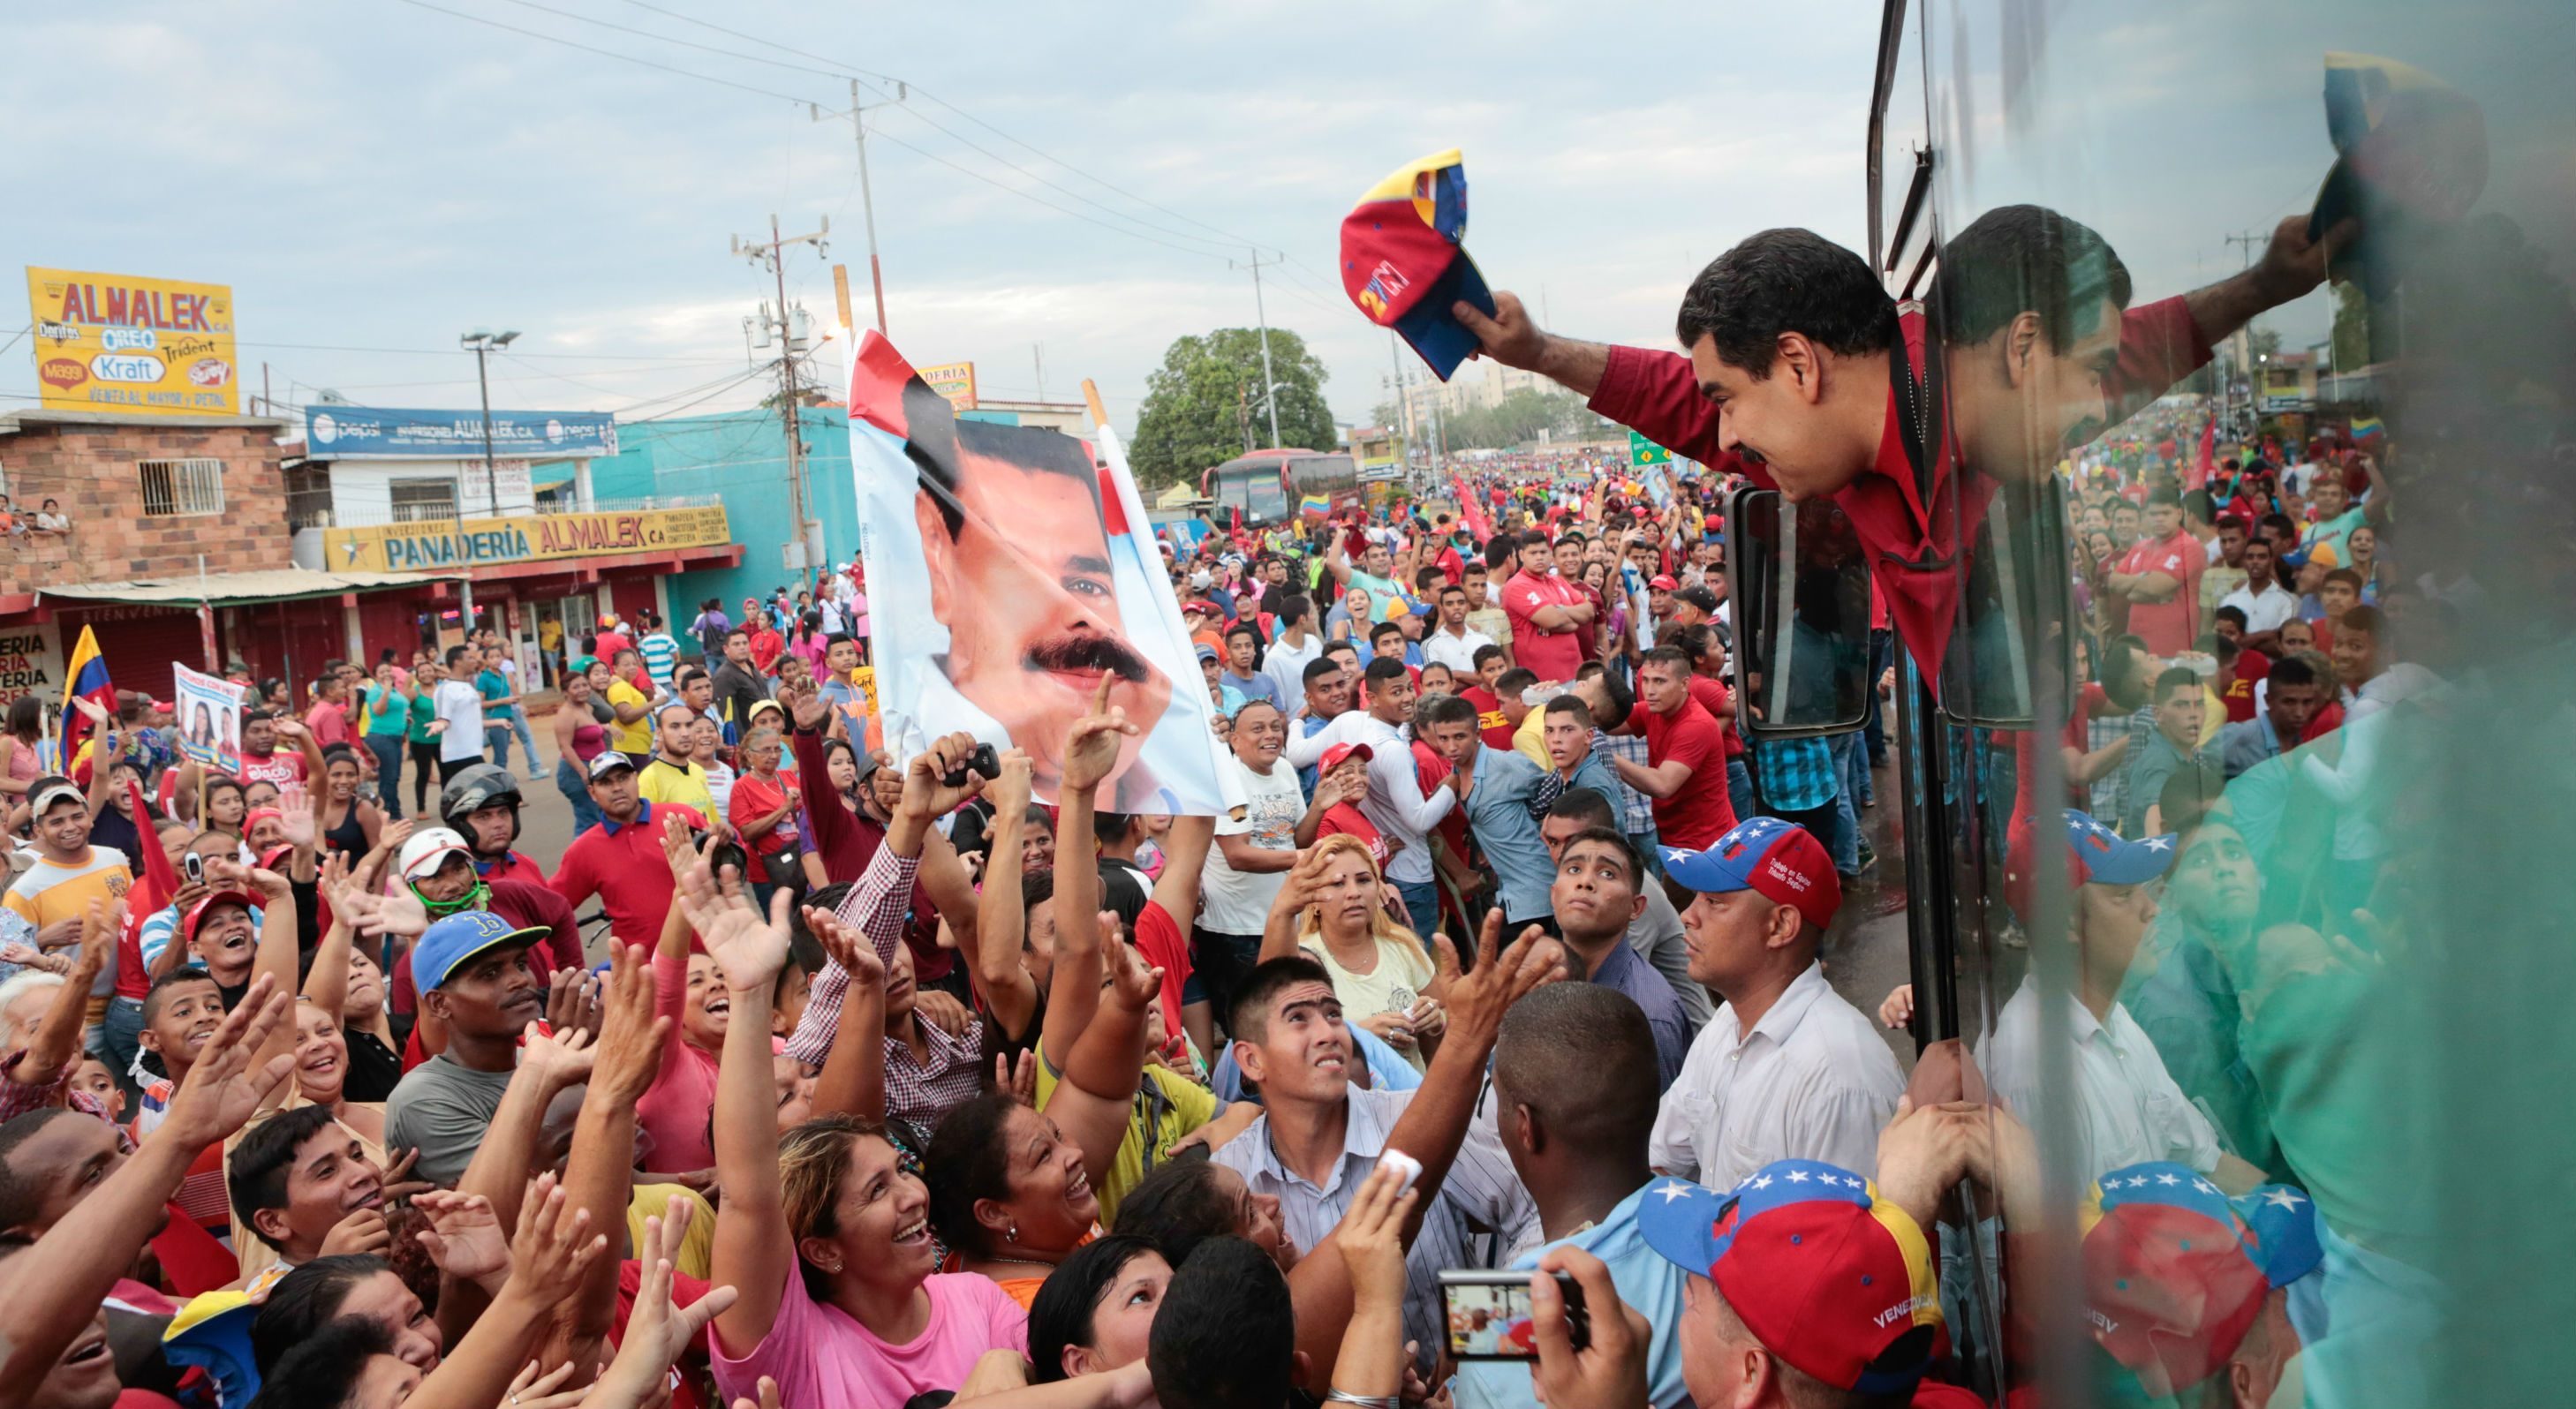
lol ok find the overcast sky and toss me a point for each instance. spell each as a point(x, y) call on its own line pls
point(374, 177)
point(375, 174)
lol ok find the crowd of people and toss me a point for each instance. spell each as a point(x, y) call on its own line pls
point(1513, 961)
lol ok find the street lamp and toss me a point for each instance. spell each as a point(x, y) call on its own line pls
point(482, 342)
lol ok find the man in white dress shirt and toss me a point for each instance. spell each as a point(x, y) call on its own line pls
point(1787, 1069)
point(2128, 1110)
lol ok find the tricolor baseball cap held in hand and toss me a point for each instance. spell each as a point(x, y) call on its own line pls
point(1404, 264)
point(1781, 860)
point(1829, 1278)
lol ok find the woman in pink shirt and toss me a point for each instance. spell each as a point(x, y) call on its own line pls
point(825, 1231)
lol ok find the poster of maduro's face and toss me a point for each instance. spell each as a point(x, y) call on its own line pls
point(1008, 575)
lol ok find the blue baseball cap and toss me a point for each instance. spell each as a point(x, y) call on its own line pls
point(1781, 860)
point(2106, 856)
point(461, 937)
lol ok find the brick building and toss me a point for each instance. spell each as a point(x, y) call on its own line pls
point(179, 549)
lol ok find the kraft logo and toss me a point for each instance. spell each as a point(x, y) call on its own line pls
point(1906, 1307)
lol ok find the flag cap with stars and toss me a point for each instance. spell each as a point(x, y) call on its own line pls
point(2096, 854)
point(1829, 1278)
point(1781, 860)
point(2175, 1272)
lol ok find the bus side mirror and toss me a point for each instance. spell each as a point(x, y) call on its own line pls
point(1800, 583)
point(2016, 612)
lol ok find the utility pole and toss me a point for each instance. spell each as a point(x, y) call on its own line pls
point(1269, 383)
point(482, 342)
point(858, 116)
point(1403, 401)
point(774, 255)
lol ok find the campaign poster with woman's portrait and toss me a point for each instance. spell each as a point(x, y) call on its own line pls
point(209, 716)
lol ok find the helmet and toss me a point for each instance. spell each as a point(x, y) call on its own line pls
point(422, 854)
point(480, 786)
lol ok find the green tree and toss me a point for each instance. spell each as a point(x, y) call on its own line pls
point(1203, 406)
point(2351, 328)
point(1517, 418)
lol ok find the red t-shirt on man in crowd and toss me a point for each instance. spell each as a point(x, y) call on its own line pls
point(2168, 627)
point(1555, 655)
point(1700, 813)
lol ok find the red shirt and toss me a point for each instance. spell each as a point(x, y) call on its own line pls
point(2168, 627)
point(280, 767)
point(2239, 699)
point(1428, 769)
point(1160, 940)
point(625, 868)
point(1489, 716)
point(1700, 813)
point(1344, 819)
point(766, 647)
point(1712, 696)
point(329, 723)
point(1554, 655)
point(1656, 395)
point(517, 866)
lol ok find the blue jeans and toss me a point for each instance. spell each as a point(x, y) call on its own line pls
point(1857, 784)
point(496, 739)
point(569, 782)
point(1845, 841)
point(1422, 903)
point(388, 749)
point(1739, 788)
point(527, 742)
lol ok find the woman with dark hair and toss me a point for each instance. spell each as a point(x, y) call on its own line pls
point(1096, 1310)
point(1191, 1199)
point(350, 823)
point(349, 1284)
point(1008, 1194)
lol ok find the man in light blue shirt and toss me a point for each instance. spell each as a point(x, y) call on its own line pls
point(1573, 1100)
point(1495, 789)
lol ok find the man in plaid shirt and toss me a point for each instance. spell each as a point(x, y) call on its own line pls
point(928, 1072)
point(1798, 785)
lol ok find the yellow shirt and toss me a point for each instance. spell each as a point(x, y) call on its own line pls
point(1166, 1108)
point(638, 736)
point(50, 892)
point(1530, 740)
point(698, 1247)
point(662, 781)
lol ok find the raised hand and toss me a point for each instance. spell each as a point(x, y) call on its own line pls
point(1010, 792)
point(678, 847)
point(1502, 977)
point(465, 1237)
point(295, 801)
point(400, 913)
point(1132, 982)
point(805, 705)
point(631, 1038)
point(223, 1088)
point(848, 947)
point(1022, 1081)
point(1371, 1237)
point(552, 1248)
point(926, 792)
point(1091, 749)
point(555, 1061)
point(752, 948)
point(658, 1330)
point(572, 1001)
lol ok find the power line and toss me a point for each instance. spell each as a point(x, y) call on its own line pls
point(609, 53)
point(685, 44)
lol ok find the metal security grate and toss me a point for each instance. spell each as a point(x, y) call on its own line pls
point(176, 487)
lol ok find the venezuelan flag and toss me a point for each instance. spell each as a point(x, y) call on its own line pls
point(2368, 428)
point(85, 680)
point(1315, 504)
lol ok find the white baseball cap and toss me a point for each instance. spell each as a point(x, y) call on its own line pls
point(426, 850)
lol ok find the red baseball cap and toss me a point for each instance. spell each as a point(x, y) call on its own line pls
point(1664, 581)
point(1782, 861)
point(1824, 1273)
point(1333, 756)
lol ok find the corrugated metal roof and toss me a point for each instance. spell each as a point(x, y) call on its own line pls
point(227, 588)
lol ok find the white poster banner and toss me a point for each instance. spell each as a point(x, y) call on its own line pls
point(209, 716)
point(1010, 570)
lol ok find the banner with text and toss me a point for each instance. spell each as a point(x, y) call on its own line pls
point(520, 538)
point(31, 663)
point(113, 342)
point(209, 718)
point(1008, 574)
point(377, 433)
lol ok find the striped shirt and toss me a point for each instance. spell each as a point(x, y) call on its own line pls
point(916, 1091)
point(660, 653)
point(1481, 1186)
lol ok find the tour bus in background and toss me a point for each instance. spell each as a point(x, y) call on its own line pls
point(1270, 486)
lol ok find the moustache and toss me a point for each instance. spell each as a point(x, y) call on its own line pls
point(1086, 652)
